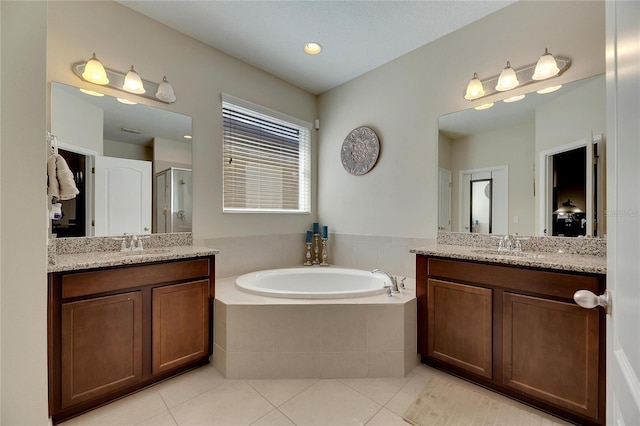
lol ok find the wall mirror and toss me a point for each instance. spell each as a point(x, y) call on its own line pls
point(132, 164)
point(520, 146)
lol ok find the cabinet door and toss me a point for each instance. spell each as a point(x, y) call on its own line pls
point(180, 324)
point(551, 351)
point(460, 326)
point(101, 347)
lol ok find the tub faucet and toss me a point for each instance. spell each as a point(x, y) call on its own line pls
point(394, 281)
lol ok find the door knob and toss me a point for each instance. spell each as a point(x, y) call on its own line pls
point(588, 300)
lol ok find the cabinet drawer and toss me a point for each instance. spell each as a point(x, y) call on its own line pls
point(556, 284)
point(86, 283)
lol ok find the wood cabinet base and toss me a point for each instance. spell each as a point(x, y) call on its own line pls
point(114, 331)
point(515, 330)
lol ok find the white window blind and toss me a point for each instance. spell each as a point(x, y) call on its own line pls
point(266, 159)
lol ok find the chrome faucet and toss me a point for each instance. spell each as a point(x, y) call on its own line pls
point(394, 282)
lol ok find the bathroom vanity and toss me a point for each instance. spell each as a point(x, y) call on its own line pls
point(509, 322)
point(119, 322)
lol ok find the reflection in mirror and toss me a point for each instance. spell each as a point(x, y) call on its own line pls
point(512, 136)
point(131, 162)
point(480, 217)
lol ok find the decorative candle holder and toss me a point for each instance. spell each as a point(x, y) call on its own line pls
point(316, 249)
point(308, 256)
point(324, 253)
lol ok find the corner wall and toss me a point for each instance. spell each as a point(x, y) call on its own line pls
point(23, 225)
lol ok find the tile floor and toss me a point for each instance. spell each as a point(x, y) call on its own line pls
point(204, 397)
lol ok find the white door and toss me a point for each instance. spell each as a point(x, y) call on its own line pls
point(122, 196)
point(444, 200)
point(623, 205)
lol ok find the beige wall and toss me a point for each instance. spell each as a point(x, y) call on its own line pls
point(199, 74)
point(23, 225)
point(402, 101)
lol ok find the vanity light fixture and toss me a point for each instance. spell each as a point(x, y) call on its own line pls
point(129, 82)
point(94, 72)
point(475, 89)
point(133, 82)
point(511, 78)
point(312, 48)
point(514, 99)
point(165, 91)
point(188, 137)
point(508, 79)
point(484, 106)
point(549, 89)
point(546, 67)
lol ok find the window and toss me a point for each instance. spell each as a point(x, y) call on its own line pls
point(266, 160)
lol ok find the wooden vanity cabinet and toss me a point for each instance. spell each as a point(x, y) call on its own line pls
point(516, 330)
point(115, 330)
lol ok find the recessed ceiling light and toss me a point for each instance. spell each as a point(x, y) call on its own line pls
point(549, 89)
point(484, 106)
point(91, 92)
point(312, 48)
point(514, 98)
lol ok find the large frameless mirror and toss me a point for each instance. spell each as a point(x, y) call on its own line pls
point(515, 144)
point(132, 164)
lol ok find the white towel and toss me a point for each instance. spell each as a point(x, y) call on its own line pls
point(61, 183)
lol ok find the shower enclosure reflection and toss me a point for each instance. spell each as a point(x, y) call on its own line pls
point(173, 200)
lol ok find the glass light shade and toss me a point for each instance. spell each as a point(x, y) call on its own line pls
point(507, 79)
point(133, 82)
point(483, 106)
point(165, 91)
point(94, 71)
point(549, 89)
point(546, 67)
point(312, 48)
point(475, 89)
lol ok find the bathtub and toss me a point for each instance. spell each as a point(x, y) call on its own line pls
point(339, 330)
point(313, 283)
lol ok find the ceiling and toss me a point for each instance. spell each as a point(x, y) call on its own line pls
point(357, 36)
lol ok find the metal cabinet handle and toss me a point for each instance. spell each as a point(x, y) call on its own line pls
point(588, 300)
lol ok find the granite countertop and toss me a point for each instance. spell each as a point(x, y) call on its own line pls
point(91, 260)
point(546, 260)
